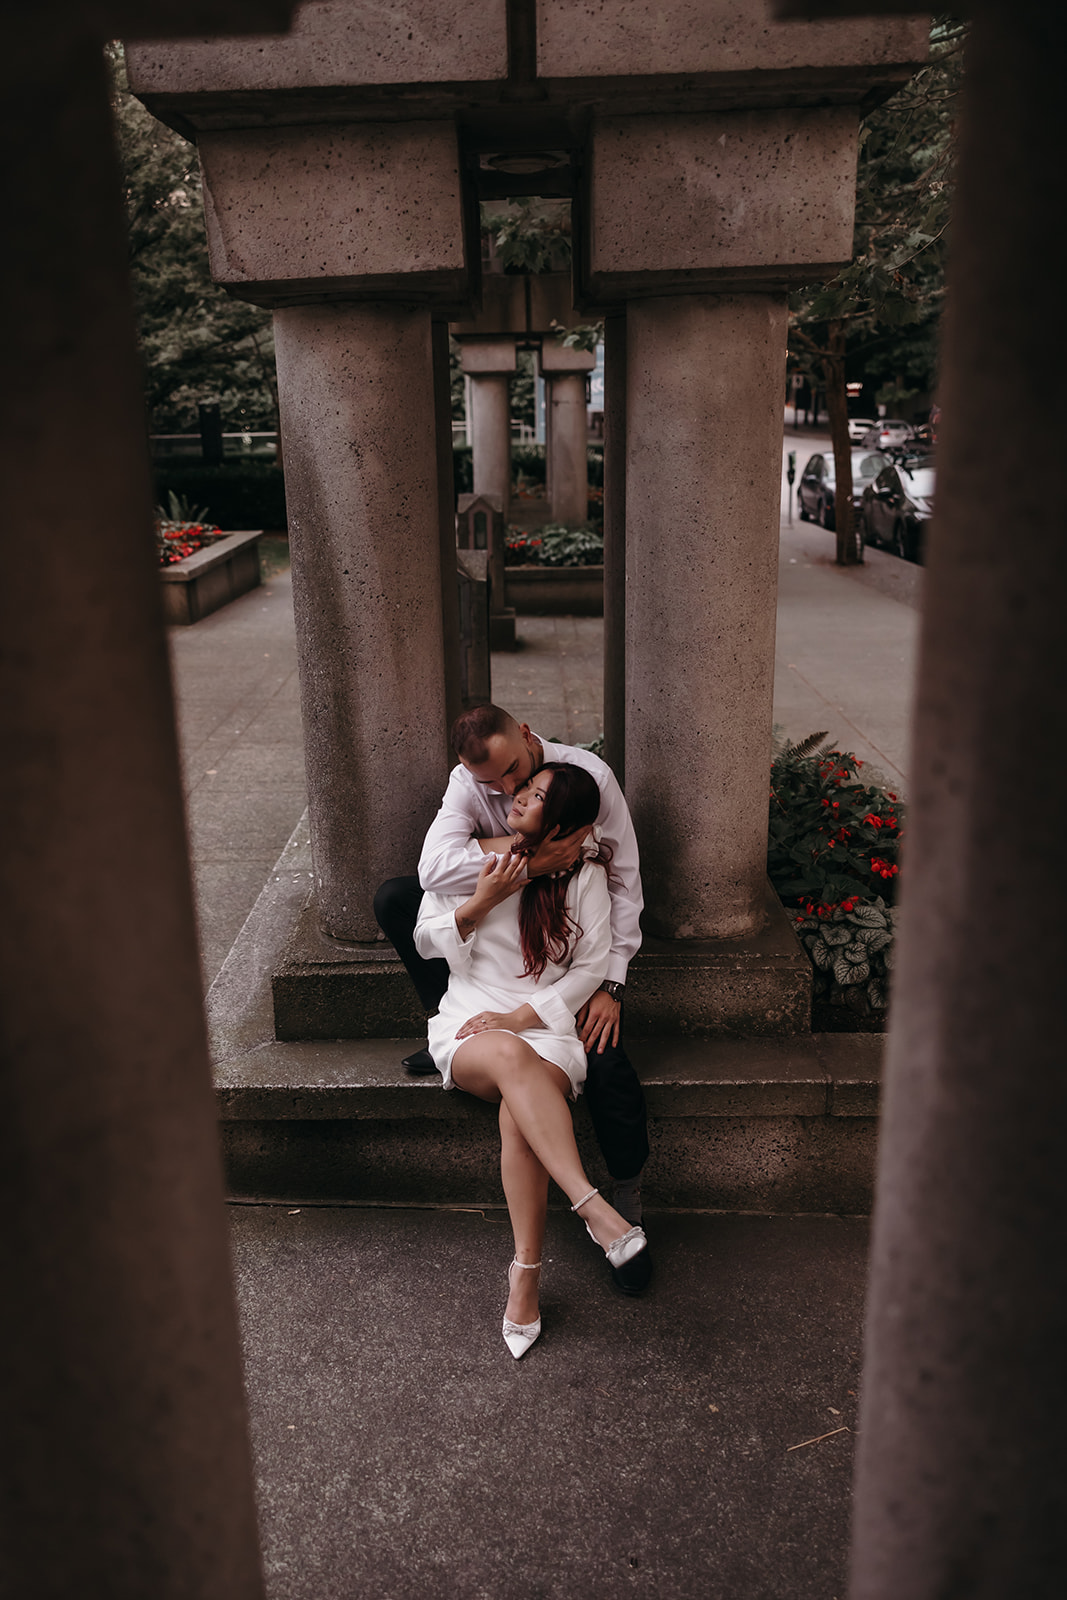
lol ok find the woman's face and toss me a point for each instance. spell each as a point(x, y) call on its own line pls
point(528, 804)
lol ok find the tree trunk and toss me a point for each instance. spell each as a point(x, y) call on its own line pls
point(833, 366)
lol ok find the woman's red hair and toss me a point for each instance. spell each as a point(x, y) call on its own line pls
point(546, 928)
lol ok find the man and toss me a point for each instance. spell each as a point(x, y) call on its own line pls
point(497, 755)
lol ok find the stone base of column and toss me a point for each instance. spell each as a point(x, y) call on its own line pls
point(502, 634)
point(700, 988)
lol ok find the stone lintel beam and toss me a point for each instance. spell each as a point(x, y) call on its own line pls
point(620, 38)
point(556, 358)
point(331, 46)
point(526, 304)
point(724, 202)
point(359, 212)
point(486, 357)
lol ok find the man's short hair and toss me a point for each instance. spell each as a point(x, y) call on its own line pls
point(472, 731)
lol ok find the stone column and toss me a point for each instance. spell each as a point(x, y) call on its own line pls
point(615, 542)
point(490, 364)
point(125, 1468)
point(703, 442)
point(961, 1482)
point(566, 430)
point(357, 400)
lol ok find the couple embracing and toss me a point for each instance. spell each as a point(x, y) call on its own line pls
point(517, 934)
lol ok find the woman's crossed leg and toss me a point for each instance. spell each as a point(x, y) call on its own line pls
point(536, 1143)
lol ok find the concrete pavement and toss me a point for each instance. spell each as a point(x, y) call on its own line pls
point(696, 1442)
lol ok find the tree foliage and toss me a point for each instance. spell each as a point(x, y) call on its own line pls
point(879, 316)
point(197, 343)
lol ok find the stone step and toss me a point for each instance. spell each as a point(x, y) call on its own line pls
point(785, 1122)
point(325, 989)
point(772, 1125)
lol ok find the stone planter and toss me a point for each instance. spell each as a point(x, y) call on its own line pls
point(555, 591)
point(206, 580)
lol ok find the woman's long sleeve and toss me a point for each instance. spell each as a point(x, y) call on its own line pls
point(436, 933)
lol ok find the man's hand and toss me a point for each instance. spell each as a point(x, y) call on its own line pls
point(598, 1022)
point(556, 855)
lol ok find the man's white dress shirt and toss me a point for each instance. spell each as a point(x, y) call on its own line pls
point(451, 860)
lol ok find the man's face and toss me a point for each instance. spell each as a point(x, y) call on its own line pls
point(509, 761)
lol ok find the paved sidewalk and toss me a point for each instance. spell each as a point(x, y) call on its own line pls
point(642, 1447)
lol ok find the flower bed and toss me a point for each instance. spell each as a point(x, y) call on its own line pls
point(555, 545)
point(832, 856)
point(177, 540)
point(223, 568)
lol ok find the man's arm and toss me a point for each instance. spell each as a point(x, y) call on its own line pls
point(451, 857)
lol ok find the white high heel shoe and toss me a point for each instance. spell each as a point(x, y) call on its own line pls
point(620, 1250)
point(519, 1336)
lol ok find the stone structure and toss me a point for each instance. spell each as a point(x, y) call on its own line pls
point(126, 1470)
point(480, 526)
point(733, 180)
point(565, 372)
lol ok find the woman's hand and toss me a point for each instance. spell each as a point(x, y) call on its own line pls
point(500, 877)
point(521, 1020)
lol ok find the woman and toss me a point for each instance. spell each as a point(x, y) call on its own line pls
point(523, 958)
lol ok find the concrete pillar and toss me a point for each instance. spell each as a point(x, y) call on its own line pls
point(490, 364)
point(566, 430)
point(357, 401)
point(961, 1481)
point(703, 443)
point(125, 1468)
point(615, 542)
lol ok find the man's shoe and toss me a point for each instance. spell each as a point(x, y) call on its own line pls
point(419, 1065)
point(634, 1276)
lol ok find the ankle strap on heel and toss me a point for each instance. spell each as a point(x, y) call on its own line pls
point(527, 1266)
point(578, 1204)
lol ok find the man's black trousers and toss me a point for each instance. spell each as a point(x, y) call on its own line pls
point(613, 1091)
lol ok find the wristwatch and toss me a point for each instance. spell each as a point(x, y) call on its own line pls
point(616, 990)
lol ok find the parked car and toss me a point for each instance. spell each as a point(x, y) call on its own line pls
point(860, 427)
point(891, 432)
point(897, 505)
point(815, 491)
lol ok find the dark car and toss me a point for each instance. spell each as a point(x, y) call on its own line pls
point(815, 491)
point(896, 508)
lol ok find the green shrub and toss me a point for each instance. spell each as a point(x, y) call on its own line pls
point(556, 545)
point(832, 854)
point(852, 953)
point(249, 494)
point(830, 836)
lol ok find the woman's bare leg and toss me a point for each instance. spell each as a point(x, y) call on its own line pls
point(526, 1190)
point(501, 1066)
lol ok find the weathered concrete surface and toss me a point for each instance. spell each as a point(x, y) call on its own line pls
point(356, 386)
point(566, 452)
point(311, 213)
point(962, 1481)
point(637, 37)
point(126, 1470)
point(746, 199)
point(641, 1448)
point(420, 41)
point(702, 468)
point(490, 364)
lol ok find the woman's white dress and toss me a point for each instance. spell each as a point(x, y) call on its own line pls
point(486, 971)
